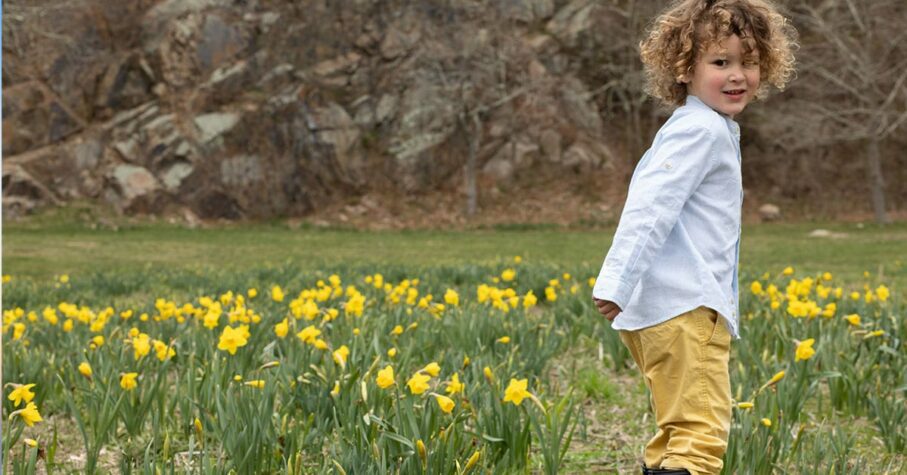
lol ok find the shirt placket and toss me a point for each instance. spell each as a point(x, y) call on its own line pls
point(735, 130)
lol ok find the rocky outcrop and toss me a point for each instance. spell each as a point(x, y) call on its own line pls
point(224, 109)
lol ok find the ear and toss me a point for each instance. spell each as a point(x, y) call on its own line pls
point(683, 79)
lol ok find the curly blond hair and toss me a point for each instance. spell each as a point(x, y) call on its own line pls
point(684, 30)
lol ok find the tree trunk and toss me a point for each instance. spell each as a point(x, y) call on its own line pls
point(876, 182)
point(475, 141)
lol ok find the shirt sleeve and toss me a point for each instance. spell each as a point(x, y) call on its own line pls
point(661, 185)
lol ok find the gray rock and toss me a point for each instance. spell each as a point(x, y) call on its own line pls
point(550, 142)
point(125, 84)
point(33, 118)
point(173, 177)
point(218, 43)
point(87, 153)
point(241, 170)
point(133, 182)
point(769, 212)
point(211, 126)
point(499, 168)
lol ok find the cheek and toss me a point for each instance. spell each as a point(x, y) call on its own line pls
point(717, 81)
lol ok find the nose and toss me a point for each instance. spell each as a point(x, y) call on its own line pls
point(735, 74)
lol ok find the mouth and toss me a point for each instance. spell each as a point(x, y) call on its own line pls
point(735, 92)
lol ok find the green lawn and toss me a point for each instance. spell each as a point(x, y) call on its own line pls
point(48, 245)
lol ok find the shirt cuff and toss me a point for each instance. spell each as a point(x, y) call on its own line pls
point(615, 290)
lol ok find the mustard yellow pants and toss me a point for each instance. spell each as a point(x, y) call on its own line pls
point(685, 365)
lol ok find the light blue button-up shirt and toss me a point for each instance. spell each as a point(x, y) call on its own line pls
point(677, 244)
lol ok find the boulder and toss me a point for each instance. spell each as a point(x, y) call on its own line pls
point(550, 144)
point(213, 125)
point(33, 117)
point(769, 212)
point(133, 189)
point(125, 83)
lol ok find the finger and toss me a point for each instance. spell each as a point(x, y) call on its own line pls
point(612, 314)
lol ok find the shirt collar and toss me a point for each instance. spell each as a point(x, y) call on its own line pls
point(696, 102)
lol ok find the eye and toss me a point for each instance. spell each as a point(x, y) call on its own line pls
point(720, 62)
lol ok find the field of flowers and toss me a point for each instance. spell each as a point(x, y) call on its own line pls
point(443, 369)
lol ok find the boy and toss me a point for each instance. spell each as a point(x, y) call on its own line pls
point(669, 281)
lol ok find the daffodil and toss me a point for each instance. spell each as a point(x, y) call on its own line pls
point(277, 293)
point(162, 350)
point(454, 386)
point(452, 298)
point(141, 346)
point(341, 354)
point(282, 328)
point(391, 352)
point(20, 393)
point(127, 381)
point(336, 391)
point(503, 340)
point(385, 377)
point(445, 403)
point(418, 383)
point(256, 383)
point(744, 405)
point(231, 339)
point(29, 414)
point(432, 368)
point(853, 319)
point(85, 369)
point(516, 391)
point(398, 329)
point(766, 422)
point(882, 293)
point(805, 350)
point(508, 275)
point(308, 334)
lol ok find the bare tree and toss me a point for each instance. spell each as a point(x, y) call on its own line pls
point(478, 74)
point(853, 82)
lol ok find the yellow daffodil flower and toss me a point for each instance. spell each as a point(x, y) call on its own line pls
point(455, 386)
point(85, 369)
point(432, 368)
point(516, 391)
point(805, 350)
point(418, 383)
point(385, 377)
point(29, 414)
point(452, 298)
point(445, 403)
point(20, 393)
point(127, 381)
point(231, 339)
point(341, 354)
point(282, 328)
point(308, 334)
point(256, 383)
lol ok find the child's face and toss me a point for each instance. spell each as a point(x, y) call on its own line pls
point(724, 78)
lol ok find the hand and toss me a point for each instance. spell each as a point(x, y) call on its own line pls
point(609, 309)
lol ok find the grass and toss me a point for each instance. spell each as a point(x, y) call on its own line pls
point(54, 244)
